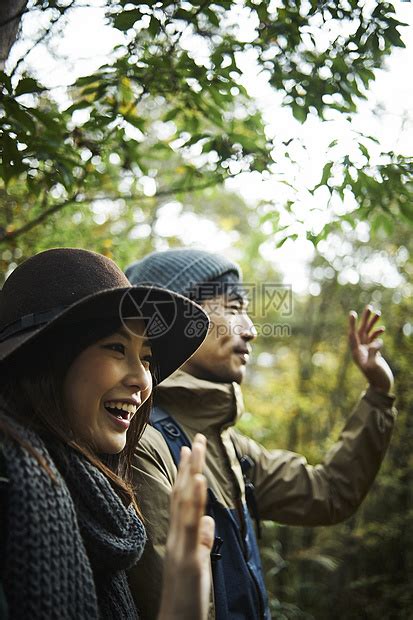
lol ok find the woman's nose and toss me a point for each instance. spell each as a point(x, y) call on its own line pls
point(138, 377)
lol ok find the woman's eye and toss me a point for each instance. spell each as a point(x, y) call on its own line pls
point(116, 346)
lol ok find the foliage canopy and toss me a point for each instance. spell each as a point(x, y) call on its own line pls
point(172, 104)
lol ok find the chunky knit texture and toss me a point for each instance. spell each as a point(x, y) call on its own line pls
point(180, 270)
point(69, 540)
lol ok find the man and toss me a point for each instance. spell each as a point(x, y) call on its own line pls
point(204, 396)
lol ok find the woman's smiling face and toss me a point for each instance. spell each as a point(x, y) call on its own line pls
point(105, 385)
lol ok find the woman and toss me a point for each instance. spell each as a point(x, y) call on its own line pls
point(80, 350)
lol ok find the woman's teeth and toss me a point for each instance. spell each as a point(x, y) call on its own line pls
point(121, 409)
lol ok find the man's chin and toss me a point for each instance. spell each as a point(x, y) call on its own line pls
point(238, 375)
point(220, 374)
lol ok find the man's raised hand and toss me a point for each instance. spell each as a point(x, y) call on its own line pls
point(365, 344)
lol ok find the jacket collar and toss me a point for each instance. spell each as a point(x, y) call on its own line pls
point(200, 405)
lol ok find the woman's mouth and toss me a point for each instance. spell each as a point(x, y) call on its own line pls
point(121, 412)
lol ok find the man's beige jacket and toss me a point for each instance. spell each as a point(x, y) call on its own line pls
point(288, 489)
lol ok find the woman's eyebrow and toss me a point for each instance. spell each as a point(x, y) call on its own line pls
point(121, 331)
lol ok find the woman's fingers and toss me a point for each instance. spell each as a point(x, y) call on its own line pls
point(193, 512)
point(207, 533)
point(184, 467)
point(187, 575)
point(189, 492)
point(198, 453)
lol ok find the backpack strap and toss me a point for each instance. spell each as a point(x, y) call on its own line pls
point(171, 432)
point(246, 464)
point(175, 439)
point(227, 534)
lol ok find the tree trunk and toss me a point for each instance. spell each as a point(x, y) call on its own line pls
point(10, 16)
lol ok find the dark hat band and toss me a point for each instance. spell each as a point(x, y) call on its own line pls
point(29, 321)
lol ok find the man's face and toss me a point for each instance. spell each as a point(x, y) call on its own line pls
point(224, 354)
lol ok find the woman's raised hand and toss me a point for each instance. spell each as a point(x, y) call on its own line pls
point(187, 572)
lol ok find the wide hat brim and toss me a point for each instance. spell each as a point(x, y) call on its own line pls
point(175, 326)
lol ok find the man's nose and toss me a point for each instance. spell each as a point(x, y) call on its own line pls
point(248, 331)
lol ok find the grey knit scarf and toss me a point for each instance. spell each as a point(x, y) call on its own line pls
point(69, 540)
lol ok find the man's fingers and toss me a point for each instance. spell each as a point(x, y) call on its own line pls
point(373, 321)
point(362, 335)
point(374, 349)
point(352, 318)
point(376, 333)
point(352, 334)
point(365, 318)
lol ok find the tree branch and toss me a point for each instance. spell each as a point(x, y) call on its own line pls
point(9, 26)
point(8, 236)
point(13, 234)
point(17, 15)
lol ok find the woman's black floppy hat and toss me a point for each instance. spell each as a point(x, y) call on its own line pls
point(63, 286)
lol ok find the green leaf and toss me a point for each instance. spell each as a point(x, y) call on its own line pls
point(136, 121)
point(5, 79)
point(325, 174)
point(12, 164)
point(125, 20)
point(382, 221)
point(171, 114)
point(182, 14)
point(299, 112)
point(394, 37)
point(365, 151)
point(48, 119)
point(24, 120)
point(154, 26)
point(28, 85)
point(78, 105)
point(88, 79)
point(407, 211)
point(213, 17)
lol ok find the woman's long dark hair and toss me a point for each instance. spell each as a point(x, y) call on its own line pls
point(32, 389)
